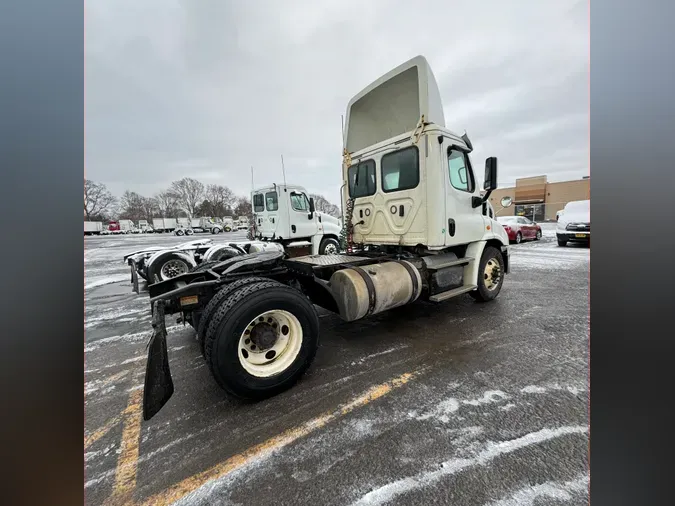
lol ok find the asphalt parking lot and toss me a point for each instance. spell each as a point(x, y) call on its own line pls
point(453, 403)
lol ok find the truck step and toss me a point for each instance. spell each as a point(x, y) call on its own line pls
point(299, 244)
point(448, 263)
point(440, 297)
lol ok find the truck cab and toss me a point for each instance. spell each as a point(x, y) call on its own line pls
point(410, 179)
point(286, 214)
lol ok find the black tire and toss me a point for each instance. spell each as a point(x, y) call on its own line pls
point(483, 293)
point(217, 300)
point(231, 319)
point(326, 242)
point(155, 268)
point(216, 230)
point(562, 242)
point(538, 236)
point(519, 238)
point(180, 232)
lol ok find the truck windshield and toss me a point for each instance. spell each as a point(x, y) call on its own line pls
point(362, 179)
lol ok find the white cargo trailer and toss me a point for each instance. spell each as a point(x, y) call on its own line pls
point(164, 224)
point(93, 227)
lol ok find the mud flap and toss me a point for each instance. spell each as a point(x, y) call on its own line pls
point(134, 277)
point(158, 382)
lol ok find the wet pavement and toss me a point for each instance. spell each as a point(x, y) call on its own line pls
point(453, 403)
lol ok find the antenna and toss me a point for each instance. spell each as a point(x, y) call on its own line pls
point(283, 169)
point(342, 121)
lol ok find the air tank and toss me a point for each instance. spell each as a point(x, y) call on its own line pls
point(371, 289)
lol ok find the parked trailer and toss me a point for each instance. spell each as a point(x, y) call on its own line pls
point(417, 229)
point(164, 224)
point(157, 263)
point(128, 227)
point(93, 227)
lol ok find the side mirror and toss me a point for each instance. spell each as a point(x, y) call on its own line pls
point(490, 174)
point(311, 208)
point(506, 201)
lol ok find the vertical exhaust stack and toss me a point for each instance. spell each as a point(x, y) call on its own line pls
point(372, 289)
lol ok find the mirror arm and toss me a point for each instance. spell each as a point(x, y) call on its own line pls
point(479, 201)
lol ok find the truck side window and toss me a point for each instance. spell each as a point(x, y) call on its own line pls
point(364, 184)
point(272, 201)
point(258, 203)
point(459, 170)
point(299, 202)
point(400, 170)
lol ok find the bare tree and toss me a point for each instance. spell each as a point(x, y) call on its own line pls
point(242, 207)
point(166, 203)
point(150, 206)
point(188, 193)
point(321, 204)
point(220, 199)
point(98, 201)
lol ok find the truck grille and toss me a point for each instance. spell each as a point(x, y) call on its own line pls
point(579, 227)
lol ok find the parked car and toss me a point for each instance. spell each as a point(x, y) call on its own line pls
point(519, 228)
point(574, 224)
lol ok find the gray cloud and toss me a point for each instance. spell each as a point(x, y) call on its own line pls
point(210, 88)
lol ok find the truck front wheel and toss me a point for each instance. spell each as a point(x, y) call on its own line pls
point(329, 246)
point(261, 339)
point(490, 275)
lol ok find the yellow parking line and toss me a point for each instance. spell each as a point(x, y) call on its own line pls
point(235, 462)
point(127, 463)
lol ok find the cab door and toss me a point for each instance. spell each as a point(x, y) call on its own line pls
point(302, 225)
point(465, 223)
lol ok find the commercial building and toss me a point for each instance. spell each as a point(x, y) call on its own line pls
point(538, 199)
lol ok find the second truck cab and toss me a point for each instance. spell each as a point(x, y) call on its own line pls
point(286, 214)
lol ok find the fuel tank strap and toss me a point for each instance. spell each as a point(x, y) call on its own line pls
point(372, 298)
point(413, 278)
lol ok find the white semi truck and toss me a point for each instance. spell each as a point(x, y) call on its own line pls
point(417, 229)
point(285, 214)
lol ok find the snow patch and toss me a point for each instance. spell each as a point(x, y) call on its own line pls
point(560, 491)
point(492, 450)
point(489, 397)
point(533, 389)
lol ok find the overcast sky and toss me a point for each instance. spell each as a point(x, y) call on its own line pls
point(209, 88)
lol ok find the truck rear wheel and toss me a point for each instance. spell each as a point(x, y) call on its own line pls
point(261, 339)
point(167, 267)
point(222, 294)
point(490, 275)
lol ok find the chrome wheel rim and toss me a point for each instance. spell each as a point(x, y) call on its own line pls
point(173, 268)
point(492, 274)
point(330, 249)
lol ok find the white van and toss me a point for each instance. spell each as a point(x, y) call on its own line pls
point(574, 224)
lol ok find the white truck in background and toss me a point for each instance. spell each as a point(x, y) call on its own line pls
point(161, 225)
point(285, 214)
point(228, 224)
point(129, 227)
point(144, 227)
point(207, 224)
point(93, 227)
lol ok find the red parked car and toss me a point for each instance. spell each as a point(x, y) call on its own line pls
point(519, 228)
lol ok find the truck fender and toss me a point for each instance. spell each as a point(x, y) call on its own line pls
point(475, 251)
point(189, 259)
point(213, 251)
